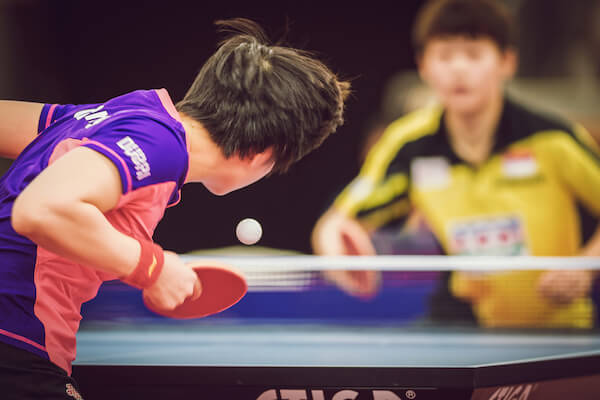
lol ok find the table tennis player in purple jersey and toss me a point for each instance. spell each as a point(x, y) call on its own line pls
point(90, 183)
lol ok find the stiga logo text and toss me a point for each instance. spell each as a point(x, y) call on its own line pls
point(301, 394)
point(521, 392)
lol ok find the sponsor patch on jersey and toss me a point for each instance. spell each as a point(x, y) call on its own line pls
point(361, 188)
point(137, 156)
point(430, 172)
point(519, 164)
point(491, 236)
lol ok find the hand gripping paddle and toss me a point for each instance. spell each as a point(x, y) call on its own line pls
point(222, 287)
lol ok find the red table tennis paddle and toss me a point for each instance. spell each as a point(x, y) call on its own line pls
point(222, 287)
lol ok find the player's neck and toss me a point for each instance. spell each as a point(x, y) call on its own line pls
point(203, 152)
point(472, 134)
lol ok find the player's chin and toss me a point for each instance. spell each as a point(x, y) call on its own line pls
point(224, 188)
point(227, 185)
point(464, 104)
point(221, 190)
point(218, 191)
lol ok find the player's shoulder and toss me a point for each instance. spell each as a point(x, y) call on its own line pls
point(531, 122)
point(154, 105)
point(414, 125)
point(139, 128)
point(415, 131)
point(148, 114)
point(144, 110)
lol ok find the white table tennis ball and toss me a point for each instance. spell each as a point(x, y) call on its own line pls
point(248, 231)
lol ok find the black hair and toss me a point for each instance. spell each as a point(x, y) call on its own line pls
point(251, 95)
point(471, 18)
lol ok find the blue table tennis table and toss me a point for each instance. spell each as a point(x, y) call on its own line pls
point(326, 361)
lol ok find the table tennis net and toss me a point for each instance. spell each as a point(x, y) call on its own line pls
point(476, 290)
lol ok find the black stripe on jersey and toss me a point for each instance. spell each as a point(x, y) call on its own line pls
point(428, 145)
point(518, 122)
point(367, 211)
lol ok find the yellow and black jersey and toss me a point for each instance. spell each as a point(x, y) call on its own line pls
point(522, 201)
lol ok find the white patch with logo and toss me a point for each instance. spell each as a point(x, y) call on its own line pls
point(519, 165)
point(361, 188)
point(494, 236)
point(137, 156)
point(430, 172)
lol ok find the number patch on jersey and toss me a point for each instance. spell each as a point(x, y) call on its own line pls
point(93, 116)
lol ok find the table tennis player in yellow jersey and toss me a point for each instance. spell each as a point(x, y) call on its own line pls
point(489, 176)
point(90, 183)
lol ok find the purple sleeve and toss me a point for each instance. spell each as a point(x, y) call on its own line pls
point(51, 113)
point(144, 151)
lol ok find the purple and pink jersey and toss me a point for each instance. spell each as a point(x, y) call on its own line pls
point(41, 293)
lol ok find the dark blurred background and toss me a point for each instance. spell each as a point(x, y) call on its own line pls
point(86, 51)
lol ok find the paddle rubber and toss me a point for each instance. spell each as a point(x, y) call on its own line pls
point(222, 287)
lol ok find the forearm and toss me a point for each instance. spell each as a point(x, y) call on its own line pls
point(18, 126)
point(336, 233)
point(592, 249)
point(81, 233)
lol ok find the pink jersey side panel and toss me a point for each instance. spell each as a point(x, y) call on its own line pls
point(62, 148)
point(63, 286)
point(139, 211)
point(69, 144)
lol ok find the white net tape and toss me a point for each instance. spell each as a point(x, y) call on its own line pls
point(298, 273)
point(402, 263)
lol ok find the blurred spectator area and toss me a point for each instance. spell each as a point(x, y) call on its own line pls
point(559, 66)
point(559, 51)
point(573, 97)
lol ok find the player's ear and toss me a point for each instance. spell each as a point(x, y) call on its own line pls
point(262, 158)
point(509, 63)
point(420, 62)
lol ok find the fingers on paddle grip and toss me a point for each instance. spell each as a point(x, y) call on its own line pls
point(197, 290)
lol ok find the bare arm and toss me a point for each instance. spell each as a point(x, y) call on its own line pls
point(564, 286)
point(579, 165)
point(63, 209)
point(18, 126)
point(338, 234)
point(592, 247)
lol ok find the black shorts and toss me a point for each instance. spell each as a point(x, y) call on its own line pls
point(24, 376)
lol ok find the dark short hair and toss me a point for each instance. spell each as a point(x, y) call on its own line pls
point(251, 95)
point(471, 18)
